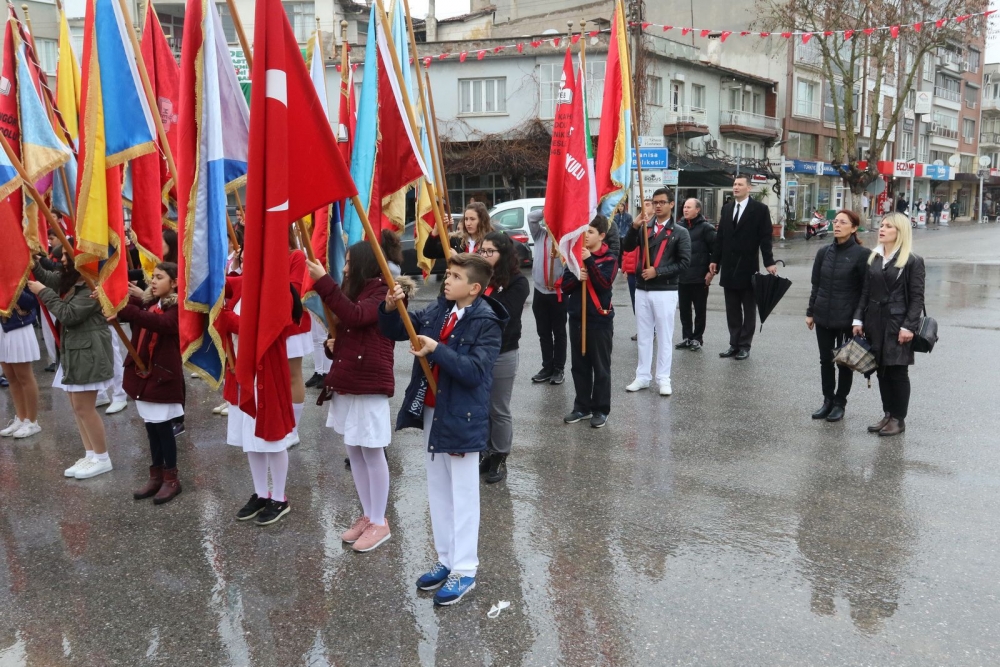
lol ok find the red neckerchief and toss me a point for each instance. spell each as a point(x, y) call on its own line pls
point(430, 400)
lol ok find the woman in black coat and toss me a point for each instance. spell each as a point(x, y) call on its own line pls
point(510, 289)
point(888, 314)
point(837, 280)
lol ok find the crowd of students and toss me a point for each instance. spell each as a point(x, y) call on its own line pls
point(470, 337)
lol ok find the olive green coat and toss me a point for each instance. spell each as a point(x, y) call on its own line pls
point(85, 351)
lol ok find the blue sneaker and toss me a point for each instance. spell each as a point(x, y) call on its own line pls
point(454, 589)
point(433, 579)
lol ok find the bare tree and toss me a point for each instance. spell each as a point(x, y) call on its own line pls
point(859, 63)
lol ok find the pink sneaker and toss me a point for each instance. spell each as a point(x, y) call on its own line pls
point(352, 534)
point(373, 536)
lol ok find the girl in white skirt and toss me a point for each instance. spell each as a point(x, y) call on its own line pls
point(85, 366)
point(159, 391)
point(360, 384)
point(18, 349)
point(299, 342)
point(265, 506)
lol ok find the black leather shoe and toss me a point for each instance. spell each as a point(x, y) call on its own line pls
point(743, 355)
point(824, 410)
point(836, 414)
point(894, 427)
point(316, 380)
point(731, 352)
point(875, 428)
point(484, 462)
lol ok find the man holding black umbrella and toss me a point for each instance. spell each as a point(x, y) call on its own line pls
point(744, 229)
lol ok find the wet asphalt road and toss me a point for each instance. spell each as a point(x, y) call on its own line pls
point(720, 526)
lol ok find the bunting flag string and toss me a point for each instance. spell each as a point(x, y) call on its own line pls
point(706, 33)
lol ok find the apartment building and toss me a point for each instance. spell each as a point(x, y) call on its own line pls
point(989, 137)
point(45, 28)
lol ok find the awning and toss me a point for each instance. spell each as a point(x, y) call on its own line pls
point(707, 172)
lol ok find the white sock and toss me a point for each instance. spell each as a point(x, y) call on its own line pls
point(297, 408)
point(91, 455)
point(102, 457)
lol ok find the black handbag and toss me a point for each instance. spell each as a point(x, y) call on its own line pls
point(926, 334)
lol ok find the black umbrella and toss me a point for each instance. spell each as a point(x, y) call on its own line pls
point(768, 290)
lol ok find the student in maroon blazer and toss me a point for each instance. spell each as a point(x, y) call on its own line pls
point(158, 391)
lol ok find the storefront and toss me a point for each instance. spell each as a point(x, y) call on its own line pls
point(812, 186)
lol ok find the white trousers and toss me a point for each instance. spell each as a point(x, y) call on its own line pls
point(654, 312)
point(116, 392)
point(320, 361)
point(453, 494)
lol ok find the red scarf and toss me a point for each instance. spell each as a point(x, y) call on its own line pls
point(446, 331)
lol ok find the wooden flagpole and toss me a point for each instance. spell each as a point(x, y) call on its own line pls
point(67, 248)
point(439, 171)
point(240, 33)
point(635, 146)
point(432, 190)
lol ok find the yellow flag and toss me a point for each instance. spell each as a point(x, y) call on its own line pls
point(68, 80)
point(424, 224)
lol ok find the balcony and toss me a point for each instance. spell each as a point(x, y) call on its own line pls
point(991, 104)
point(989, 139)
point(686, 122)
point(947, 94)
point(748, 124)
point(806, 109)
point(944, 132)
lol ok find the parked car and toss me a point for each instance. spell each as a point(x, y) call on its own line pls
point(410, 268)
point(512, 217)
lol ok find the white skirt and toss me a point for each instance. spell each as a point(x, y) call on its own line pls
point(363, 420)
point(57, 383)
point(240, 433)
point(299, 345)
point(19, 346)
point(157, 413)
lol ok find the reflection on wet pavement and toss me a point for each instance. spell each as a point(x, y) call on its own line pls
point(720, 526)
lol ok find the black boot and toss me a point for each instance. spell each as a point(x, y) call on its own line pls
point(498, 469)
point(836, 414)
point(824, 411)
point(484, 462)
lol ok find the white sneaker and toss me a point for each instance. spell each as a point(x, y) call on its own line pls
point(637, 385)
point(12, 426)
point(665, 389)
point(116, 407)
point(293, 439)
point(93, 468)
point(102, 400)
point(217, 410)
point(71, 471)
point(27, 430)
point(224, 411)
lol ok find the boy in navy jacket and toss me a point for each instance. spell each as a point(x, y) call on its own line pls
point(592, 372)
point(460, 336)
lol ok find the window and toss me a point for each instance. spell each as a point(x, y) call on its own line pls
point(971, 97)
point(972, 64)
point(48, 54)
point(482, 96)
point(832, 146)
point(228, 27)
point(828, 115)
point(512, 218)
point(948, 88)
point(595, 86)
point(801, 146)
point(550, 78)
point(302, 17)
point(906, 146)
point(911, 100)
point(922, 148)
point(968, 164)
point(806, 99)
point(968, 130)
point(946, 121)
point(676, 96)
point(654, 91)
point(742, 149)
point(697, 97)
point(929, 67)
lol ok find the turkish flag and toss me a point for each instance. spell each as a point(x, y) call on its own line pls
point(295, 167)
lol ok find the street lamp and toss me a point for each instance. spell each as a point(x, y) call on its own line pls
point(984, 162)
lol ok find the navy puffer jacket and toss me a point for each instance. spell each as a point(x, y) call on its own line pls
point(837, 278)
point(461, 417)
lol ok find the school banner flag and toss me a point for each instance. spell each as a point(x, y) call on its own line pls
point(294, 169)
point(321, 217)
point(212, 149)
point(614, 151)
point(365, 137)
point(117, 126)
point(15, 256)
point(11, 207)
point(569, 194)
point(68, 80)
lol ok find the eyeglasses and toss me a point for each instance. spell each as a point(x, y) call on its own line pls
point(486, 252)
point(663, 202)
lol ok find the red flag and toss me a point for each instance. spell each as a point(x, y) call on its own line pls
point(894, 31)
point(568, 195)
point(806, 37)
point(848, 34)
point(150, 174)
point(295, 167)
point(13, 206)
point(725, 35)
point(705, 33)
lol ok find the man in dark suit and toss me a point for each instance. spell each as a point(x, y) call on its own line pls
point(744, 228)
